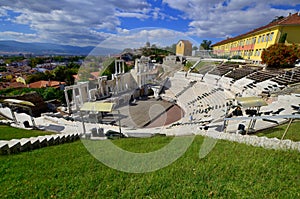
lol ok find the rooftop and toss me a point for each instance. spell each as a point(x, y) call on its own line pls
point(291, 19)
point(42, 84)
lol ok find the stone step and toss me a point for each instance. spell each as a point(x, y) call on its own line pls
point(27, 144)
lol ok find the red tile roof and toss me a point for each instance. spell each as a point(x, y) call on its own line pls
point(293, 19)
point(95, 74)
point(4, 85)
point(42, 84)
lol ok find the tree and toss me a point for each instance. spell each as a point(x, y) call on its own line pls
point(153, 46)
point(277, 18)
point(171, 49)
point(59, 73)
point(3, 69)
point(36, 60)
point(206, 45)
point(195, 48)
point(36, 77)
point(282, 38)
point(280, 55)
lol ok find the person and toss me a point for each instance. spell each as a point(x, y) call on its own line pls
point(241, 129)
point(238, 111)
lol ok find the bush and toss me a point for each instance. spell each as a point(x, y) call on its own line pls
point(48, 93)
point(280, 55)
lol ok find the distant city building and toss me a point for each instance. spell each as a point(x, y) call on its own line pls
point(184, 48)
point(251, 44)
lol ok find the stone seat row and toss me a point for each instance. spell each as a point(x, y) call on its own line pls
point(182, 91)
point(264, 142)
point(204, 95)
point(221, 70)
point(239, 73)
point(28, 144)
point(261, 76)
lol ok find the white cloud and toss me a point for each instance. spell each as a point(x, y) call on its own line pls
point(3, 12)
point(138, 37)
point(79, 22)
point(18, 36)
point(123, 31)
point(219, 18)
point(68, 21)
point(158, 14)
point(132, 15)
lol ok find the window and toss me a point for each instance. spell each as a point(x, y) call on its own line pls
point(271, 36)
point(253, 40)
point(259, 38)
point(259, 52)
point(267, 37)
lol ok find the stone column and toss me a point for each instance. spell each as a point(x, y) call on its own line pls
point(80, 95)
point(87, 92)
point(67, 100)
point(115, 85)
point(104, 86)
point(75, 97)
point(101, 88)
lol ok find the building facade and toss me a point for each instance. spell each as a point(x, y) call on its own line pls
point(250, 45)
point(184, 48)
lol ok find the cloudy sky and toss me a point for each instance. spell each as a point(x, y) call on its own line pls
point(89, 22)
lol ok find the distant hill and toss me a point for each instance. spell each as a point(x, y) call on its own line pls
point(14, 47)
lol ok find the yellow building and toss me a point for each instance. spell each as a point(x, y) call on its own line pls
point(250, 45)
point(184, 48)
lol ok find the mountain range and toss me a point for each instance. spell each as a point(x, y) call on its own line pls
point(8, 47)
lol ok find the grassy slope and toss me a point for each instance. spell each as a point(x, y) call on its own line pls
point(292, 134)
point(203, 64)
point(8, 133)
point(231, 170)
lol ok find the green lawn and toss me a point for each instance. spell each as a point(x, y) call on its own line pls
point(202, 64)
point(230, 170)
point(8, 133)
point(292, 134)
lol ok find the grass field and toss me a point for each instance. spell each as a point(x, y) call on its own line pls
point(203, 64)
point(8, 133)
point(230, 170)
point(292, 134)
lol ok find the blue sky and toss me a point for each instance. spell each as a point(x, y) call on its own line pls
point(89, 22)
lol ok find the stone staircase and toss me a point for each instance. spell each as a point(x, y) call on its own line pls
point(28, 144)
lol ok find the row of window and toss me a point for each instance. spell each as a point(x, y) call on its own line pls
point(247, 53)
point(250, 53)
point(265, 38)
point(262, 38)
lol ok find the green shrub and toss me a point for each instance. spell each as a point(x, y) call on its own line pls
point(280, 55)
